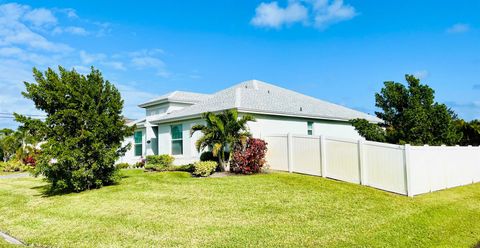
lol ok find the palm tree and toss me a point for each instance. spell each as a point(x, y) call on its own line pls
point(221, 132)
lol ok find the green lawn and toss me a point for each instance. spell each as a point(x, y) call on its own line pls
point(267, 210)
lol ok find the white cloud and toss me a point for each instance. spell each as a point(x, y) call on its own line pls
point(319, 13)
point(327, 13)
point(26, 41)
point(421, 74)
point(40, 17)
point(458, 28)
point(14, 32)
point(271, 15)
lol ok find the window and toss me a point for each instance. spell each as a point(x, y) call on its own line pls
point(138, 143)
point(310, 128)
point(177, 139)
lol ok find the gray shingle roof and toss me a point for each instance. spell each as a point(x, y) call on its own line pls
point(179, 96)
point(255, 96)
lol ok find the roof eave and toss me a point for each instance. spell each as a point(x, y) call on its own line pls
point(245, 110)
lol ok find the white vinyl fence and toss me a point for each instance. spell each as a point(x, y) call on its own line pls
point(403, 169)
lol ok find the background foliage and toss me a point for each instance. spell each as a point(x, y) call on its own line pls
point(410, 115)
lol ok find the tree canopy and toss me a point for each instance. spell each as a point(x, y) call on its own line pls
point(83, 130)
point(410, 115)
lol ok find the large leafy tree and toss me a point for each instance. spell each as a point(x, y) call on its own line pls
point(410, 115)
point(221, 132)
point(83, 129)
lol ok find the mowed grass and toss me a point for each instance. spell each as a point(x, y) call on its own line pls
point(267, 210)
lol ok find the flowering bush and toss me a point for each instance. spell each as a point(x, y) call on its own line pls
point(248, 158)
point(29, 160)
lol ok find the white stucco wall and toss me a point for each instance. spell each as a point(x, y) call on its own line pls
point(129, 156)
point(265, 125)
point(190, 153)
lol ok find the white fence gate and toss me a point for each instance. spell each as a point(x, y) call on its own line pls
point(407, 170)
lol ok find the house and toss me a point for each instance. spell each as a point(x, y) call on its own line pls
point(166, 126)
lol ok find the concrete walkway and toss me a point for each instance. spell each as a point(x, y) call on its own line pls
point(14, 175)
point(10, 239)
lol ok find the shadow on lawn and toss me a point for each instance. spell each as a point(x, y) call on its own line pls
point(47, 190)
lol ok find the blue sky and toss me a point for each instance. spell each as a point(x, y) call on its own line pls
point(340, 51)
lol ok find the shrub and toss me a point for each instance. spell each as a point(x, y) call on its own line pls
point(122, 165)
point(158, 162)
point(186, 167)
point(13, 166)
point(162, 160)
point(140, 164)
point(204, 168)
point(208, 156)
point(249, 158)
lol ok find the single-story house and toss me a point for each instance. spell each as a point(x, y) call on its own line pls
point(166, 126)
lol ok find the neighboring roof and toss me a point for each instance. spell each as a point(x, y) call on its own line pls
point(177, 96)
point(139, 122)
point(255, 96)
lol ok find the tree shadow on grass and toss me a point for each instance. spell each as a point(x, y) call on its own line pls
point(47, 190)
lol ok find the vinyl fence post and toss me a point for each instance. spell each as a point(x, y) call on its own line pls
point(290, 152)
point(408, 176)
point(362, 167)
point(323, 156)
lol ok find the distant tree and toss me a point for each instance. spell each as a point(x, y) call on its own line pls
point(410, 115)
point(221, 132)
point(470, 131)
point(9, 143)
point(83, 129)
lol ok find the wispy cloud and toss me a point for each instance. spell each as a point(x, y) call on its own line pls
point(317, 13)
point(27, 40)
point(75, 30)
point(458, 28)
point(421, 74)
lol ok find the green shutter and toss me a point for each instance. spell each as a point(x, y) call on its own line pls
point(138, 137)
point(138, 143)
point(177, 139)
point(176, 131)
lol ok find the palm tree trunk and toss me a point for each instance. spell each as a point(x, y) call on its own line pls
point(224, 163)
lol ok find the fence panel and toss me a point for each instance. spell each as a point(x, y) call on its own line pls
point(342, 160)
point(384, 166)
point(306, 155)
point(440, 167)
point(277, 153)
point(405, 170)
